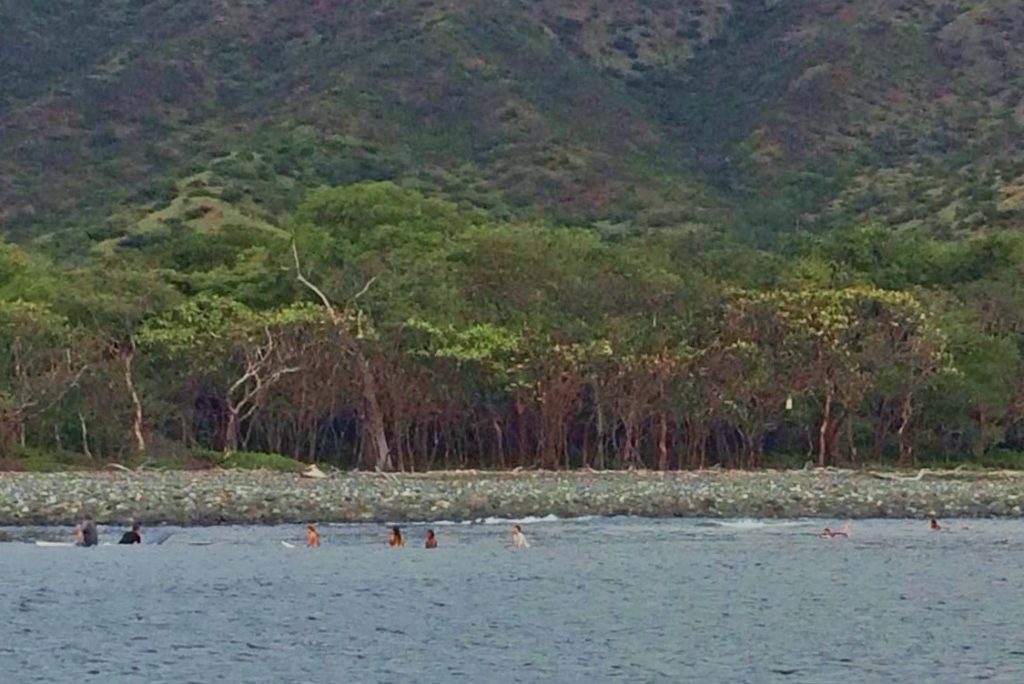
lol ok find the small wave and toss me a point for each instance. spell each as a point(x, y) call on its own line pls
point(752, 524)
point(440, 523)
point(527, 520)
point(531, 519)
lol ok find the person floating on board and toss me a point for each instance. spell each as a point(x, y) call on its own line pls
point(86, 533)
point(312, 536)
point(132, 536)
point(395, 539)
point(934, 525)
point(518, 538)
point(431, 542)
point(843, 531)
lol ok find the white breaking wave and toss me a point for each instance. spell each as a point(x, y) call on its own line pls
point(528, 520)
point(531, 519)
point(752, 524)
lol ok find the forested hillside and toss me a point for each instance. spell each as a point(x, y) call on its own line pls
point(761, 115)
point(635, 233)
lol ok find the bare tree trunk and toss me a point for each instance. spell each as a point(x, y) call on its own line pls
point(499, 440)
point(127, 357)
point(85, 436)
point(722, 450)
point(545, 446)
point(374, 429)
point(690, 430)
point(247, 431)
point(521, 435)
point(662, 443)
point(563, 443)
point(754, 438)
point(410, 450)
point(629, 445)
point(396, 441)
point(231, 431)
point(379, 452)
point(851, 443)
point(826, 424)
point(433, 435)
point(979, 446)
point(906, 451)
point(881, 429)
point(696, 436)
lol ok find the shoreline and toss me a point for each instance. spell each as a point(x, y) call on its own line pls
point(259, 497)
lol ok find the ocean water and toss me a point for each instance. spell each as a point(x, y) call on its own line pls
point(599, 600)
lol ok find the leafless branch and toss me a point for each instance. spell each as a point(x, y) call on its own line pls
point(366, 288)
point(316, 290)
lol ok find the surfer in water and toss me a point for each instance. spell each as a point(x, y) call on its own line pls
point(934, 525)
point(518, 538)
point(312, 536)
point(132, 536)
point(842, 532)
point(86, 533)
point(431, 542)
point(395, 539)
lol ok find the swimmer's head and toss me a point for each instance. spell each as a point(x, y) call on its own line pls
point(430, 534)
point(136, 526)
point(517, 528)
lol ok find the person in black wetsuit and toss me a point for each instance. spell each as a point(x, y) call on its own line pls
point(86, 533)
point(132, 536)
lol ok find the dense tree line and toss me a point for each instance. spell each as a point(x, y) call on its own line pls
point(391, 330)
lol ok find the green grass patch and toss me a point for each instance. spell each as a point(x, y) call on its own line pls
point(47, 461)
point(996, 459)
point(246, 460)
point(31, 460)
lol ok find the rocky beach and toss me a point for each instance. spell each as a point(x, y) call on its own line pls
point(238, 496)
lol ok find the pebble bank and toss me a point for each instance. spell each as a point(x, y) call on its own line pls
point(236, 497)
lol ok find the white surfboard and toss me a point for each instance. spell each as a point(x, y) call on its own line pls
point(53, 544)
point(288, 545)
point(156, 537)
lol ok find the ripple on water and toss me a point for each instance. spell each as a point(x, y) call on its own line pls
point(601, 600)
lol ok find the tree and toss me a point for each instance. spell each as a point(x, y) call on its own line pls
point(112, 300)
point(233, 346)
point(43, 359)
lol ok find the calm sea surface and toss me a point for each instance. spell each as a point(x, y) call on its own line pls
point(622, 600)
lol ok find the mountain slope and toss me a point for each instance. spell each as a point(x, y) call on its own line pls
point(771, 114)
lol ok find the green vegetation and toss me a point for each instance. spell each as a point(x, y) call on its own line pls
point(124, 121)
point(30, 460)
point(546, 233)
point(244, 460)
point(391, 329)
